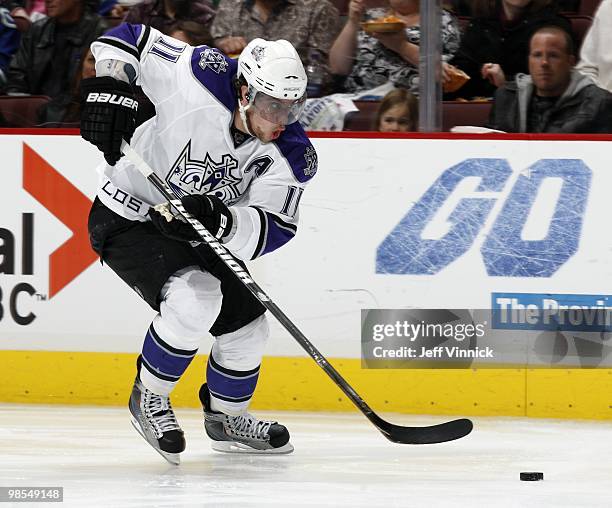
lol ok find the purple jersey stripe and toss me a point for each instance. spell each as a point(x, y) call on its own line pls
point(216, 72)
point(277, 235)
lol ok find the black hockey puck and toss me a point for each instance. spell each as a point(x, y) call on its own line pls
point(532, 477)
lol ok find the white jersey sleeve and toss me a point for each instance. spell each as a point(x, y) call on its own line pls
point(152, 55)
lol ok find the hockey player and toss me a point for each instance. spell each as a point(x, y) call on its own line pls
point(226, 139)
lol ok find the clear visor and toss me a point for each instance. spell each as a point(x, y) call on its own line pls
point(278, 111)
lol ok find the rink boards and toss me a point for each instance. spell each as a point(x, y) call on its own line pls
point(423, 222)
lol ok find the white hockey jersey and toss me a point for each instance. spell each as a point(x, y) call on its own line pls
point(190, 146)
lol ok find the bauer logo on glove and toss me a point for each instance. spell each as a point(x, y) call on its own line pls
point(119, 100)
point(108, 115)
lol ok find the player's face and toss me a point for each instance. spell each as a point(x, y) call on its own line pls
point(265, 130)
point(268, 116)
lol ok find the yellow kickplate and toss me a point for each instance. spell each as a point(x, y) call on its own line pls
point(292, 383)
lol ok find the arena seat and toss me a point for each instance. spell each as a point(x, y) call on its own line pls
point(588, 7)
point(362, 120)
point(580, 22)
point(464, 113)
point(580, 26)
point(453, 113)
point(21, 110)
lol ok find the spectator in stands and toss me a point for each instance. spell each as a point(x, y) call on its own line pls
point(87, 69)
point(116, 8)
point(49, 54)
point(167, 15)
point(494, 46)
point(310, 25)
point(192, 33)
point(595, 55)
point(9, 42)
point(555, 97)
point(398, 112)
point(25, 12)
point(368, 61)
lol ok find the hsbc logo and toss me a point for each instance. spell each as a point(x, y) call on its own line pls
point(17, 247)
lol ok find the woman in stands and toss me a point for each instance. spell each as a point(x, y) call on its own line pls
point(494, 46)
point(369, 60)
point(398, 112)
point(87, 69)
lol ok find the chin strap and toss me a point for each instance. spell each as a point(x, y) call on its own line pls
point(243, 109)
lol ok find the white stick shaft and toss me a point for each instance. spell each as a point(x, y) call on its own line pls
point(135, 157)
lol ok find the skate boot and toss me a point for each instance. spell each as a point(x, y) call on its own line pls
point(153, 418)
point(243, 433)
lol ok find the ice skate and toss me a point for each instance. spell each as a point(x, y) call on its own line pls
point(243, 433)
point(154, 419)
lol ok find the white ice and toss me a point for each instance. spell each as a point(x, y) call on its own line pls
point(339, 460)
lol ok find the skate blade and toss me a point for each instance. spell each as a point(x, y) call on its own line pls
point(234, 447)
point(172, 458)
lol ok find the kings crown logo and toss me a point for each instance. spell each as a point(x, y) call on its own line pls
point(214, 60)
point(190, 176)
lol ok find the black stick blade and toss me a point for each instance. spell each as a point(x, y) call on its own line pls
point(441, 433)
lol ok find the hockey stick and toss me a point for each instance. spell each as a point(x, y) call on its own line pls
point(407, 435)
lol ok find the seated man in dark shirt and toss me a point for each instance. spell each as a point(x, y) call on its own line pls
point(554, 97)
point(50, 52)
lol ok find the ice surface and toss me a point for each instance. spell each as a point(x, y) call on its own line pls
point(340, 460)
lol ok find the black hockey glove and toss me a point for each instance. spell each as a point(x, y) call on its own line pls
point(209, 210)
point(108, 114)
